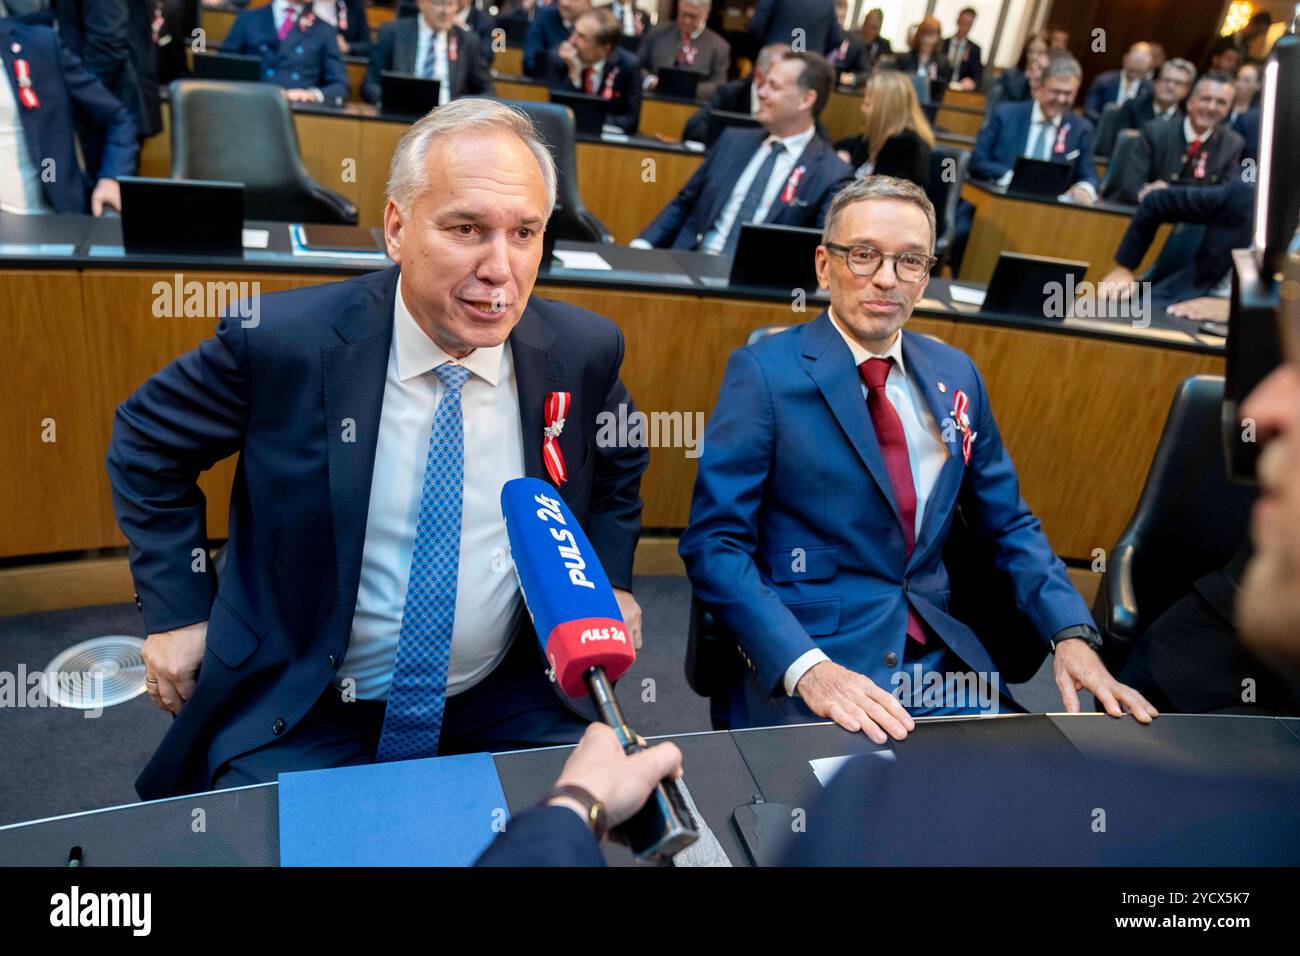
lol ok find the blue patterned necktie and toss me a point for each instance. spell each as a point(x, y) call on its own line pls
point(749, 205)
point(426, 70)
point(1043, 143)
point(418, 694)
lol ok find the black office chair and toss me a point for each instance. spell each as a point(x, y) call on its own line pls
point(244, 133)
point(1108, 127)
point(1125, 142)
point(1189, 521)
point(571, 220)
point(945, 192)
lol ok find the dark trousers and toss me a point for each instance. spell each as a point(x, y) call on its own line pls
point(513, 708)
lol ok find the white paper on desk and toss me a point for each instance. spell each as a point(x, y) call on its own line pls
point(613, 134)
point(826, 768)
point(590, 261)
point(255, 238)
point(966, 295)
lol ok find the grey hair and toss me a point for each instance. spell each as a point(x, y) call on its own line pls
point(408, 175)
point(1178, 63)
point(701, 4)
point(1062, 65)
point(878, 187)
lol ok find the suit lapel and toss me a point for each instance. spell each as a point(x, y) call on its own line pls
point(28, 119)
point(746, 146)
point(406, 47)
point(943, 496)
point(354, 371)
point(809, 159)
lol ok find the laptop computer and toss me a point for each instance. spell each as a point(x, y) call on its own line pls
point(588, 111)
point(1021, 285)
point(719, 120)
point(401, 94)
point(776, 257)
point(682, 84)
point(227, 66)
point(151, 212)
point(1040, 177)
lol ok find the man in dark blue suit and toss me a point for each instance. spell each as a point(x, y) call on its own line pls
point(46, 87)
point(964, 53)
point(783, 173)
point(299, 51)
point(1119, 86)
point(806, 25)
point(367, 608)
point(834, 464)
point(591, 61)
point(551, 27)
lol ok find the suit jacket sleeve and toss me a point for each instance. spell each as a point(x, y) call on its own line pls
point(182, 421)
point(95, 106)
point(834, 36)
point(479, 81)
point(762, 16)
point(358, 35)
point(718, 72)
point(1097, 96)
point(628, 83)
point(234, 41)
point(334, 73)
point(829, 195)
point(991, 501)
point(976, 64)
point(983, 163)
point(544, 836)
point(1192, 204)
point(1085, 170)
point(381, 59)
point(720, 543)
point(106, 48)
point(536, 57)
point(663, 230)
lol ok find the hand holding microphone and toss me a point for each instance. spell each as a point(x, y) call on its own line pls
point(620, 781)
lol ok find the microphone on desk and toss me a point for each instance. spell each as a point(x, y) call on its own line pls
point(582, 633)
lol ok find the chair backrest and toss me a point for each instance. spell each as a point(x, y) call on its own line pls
point(1125, 142)
point(555, 125)
point(244, 133)
point(1178, 250)
point(1108, 127)
point(947, 173)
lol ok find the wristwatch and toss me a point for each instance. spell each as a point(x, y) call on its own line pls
point(596, 816)
point(1084, 632)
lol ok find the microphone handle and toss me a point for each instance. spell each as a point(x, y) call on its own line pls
point(664, 826)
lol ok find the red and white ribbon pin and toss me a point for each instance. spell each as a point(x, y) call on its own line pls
point(792, 184)
point(23, 71)
point(557, 407)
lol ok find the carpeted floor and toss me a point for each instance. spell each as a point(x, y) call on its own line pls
point(55, 760)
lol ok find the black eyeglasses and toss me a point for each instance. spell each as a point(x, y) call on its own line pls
point(865, 261)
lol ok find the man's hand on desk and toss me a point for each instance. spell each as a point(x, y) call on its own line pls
point(854, 701)
point(1151, 187)
point(107, 193)
point(631, 614)
point(1080, 194)
point(1077, 667)
point(1206, 308)
point(305, 96)
point(619, 781)
point(171, 664)
point(1116, 285)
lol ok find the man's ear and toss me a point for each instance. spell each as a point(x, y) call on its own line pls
point(393, 231)
point(823, 263)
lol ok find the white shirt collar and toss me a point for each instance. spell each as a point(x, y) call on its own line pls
point(279, 8)
point(861, 354)
point(1038, 116)
point(1190, 134)
point(696, 34)
point(417, 354)
point(598, 66)
point(427, 32)
point(796, 144)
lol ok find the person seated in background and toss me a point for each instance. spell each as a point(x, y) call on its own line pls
point(1223, 56)
point(1058, 39)
point(517, 11)
point(299, 51)
point(1043, 128)
point(775, 21)
point(1201, 150)
point(964, 53)
point(1246, 87)
point(1164, 100)
point(1120, 86)
point(349, 18)
point(736, 96)
point(896, 137)
point(631, 21)
point(873, 43)
point(1158, 56)
point(592, 62)
point(480, 22)
point(849, 60)
point(1020, 82)
point(37, 128)
point(687, 44)
point(1252, 39)
point(551, 26)
point(1199, 288)
point(431, 46)
point(925, 58)
point(1247, 127)
point(782, 173)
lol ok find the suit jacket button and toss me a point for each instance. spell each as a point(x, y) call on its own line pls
point(891, 659)
point(138, 605)
point(278, 727)
point(334, 663)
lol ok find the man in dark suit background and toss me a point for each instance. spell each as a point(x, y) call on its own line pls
point(783, 173)
point(1200, 150)
point(1120, 86)
point(367, 609)
point(687, 44)
point(1171, 87)
point(432, 46)
point(550, 27)
point(43, 174)
point(964, 53)
point(850, 59)
point(735, 96)
point(299, 51)
point(809, 25)
point(591, 61)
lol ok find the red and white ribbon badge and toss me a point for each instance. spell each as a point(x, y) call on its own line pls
point(1202, 157)
point(1063, 132)
point(792, 184)
point(687, 52)
point(342, 16)
point(960, 415)
point(23, 72)
point(451, 49)
point(557, 407)
point(608, 92)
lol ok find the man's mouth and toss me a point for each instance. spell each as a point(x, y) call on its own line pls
point(487, 308)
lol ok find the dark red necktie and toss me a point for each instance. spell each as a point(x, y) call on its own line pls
point(893, 445)
point(589, 80)
point(1193, 147)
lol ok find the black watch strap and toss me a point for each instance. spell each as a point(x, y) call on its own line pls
point(1084, 632)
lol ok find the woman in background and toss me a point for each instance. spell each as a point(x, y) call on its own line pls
point(924, 58)
point(1020, 81)
point(896, 137)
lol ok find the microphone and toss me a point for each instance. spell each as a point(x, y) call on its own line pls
point(582, 633)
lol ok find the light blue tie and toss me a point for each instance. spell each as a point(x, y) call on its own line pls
point(426, 70)
point(1043, 144)
point(418, 694)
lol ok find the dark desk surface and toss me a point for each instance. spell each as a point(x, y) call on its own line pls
point(723, 771)
point(1110, 208)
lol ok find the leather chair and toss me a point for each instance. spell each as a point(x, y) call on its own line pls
point(1122, 154)
point(571, 220)
point(1189, 521)
point(1103, 139)
point(945, 194)
point(244, 133)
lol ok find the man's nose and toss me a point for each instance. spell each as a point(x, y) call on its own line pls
point(495, 265)
point(1274, 402)
point(885, 277)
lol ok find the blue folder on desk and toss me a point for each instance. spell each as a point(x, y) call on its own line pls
point(442, 811)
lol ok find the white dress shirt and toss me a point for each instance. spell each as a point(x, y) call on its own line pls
point(716, 238)
point(926, 452)
point(487, 592)
point(20, 180)
point(1190, 134)
point(441, 66)
point(1127, 89)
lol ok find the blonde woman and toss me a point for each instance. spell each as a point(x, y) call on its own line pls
point(896, 137)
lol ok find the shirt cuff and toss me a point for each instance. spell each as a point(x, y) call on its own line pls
point(1092, 190)
point(639, 244)
point(802, 665)
point(1005, 178)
